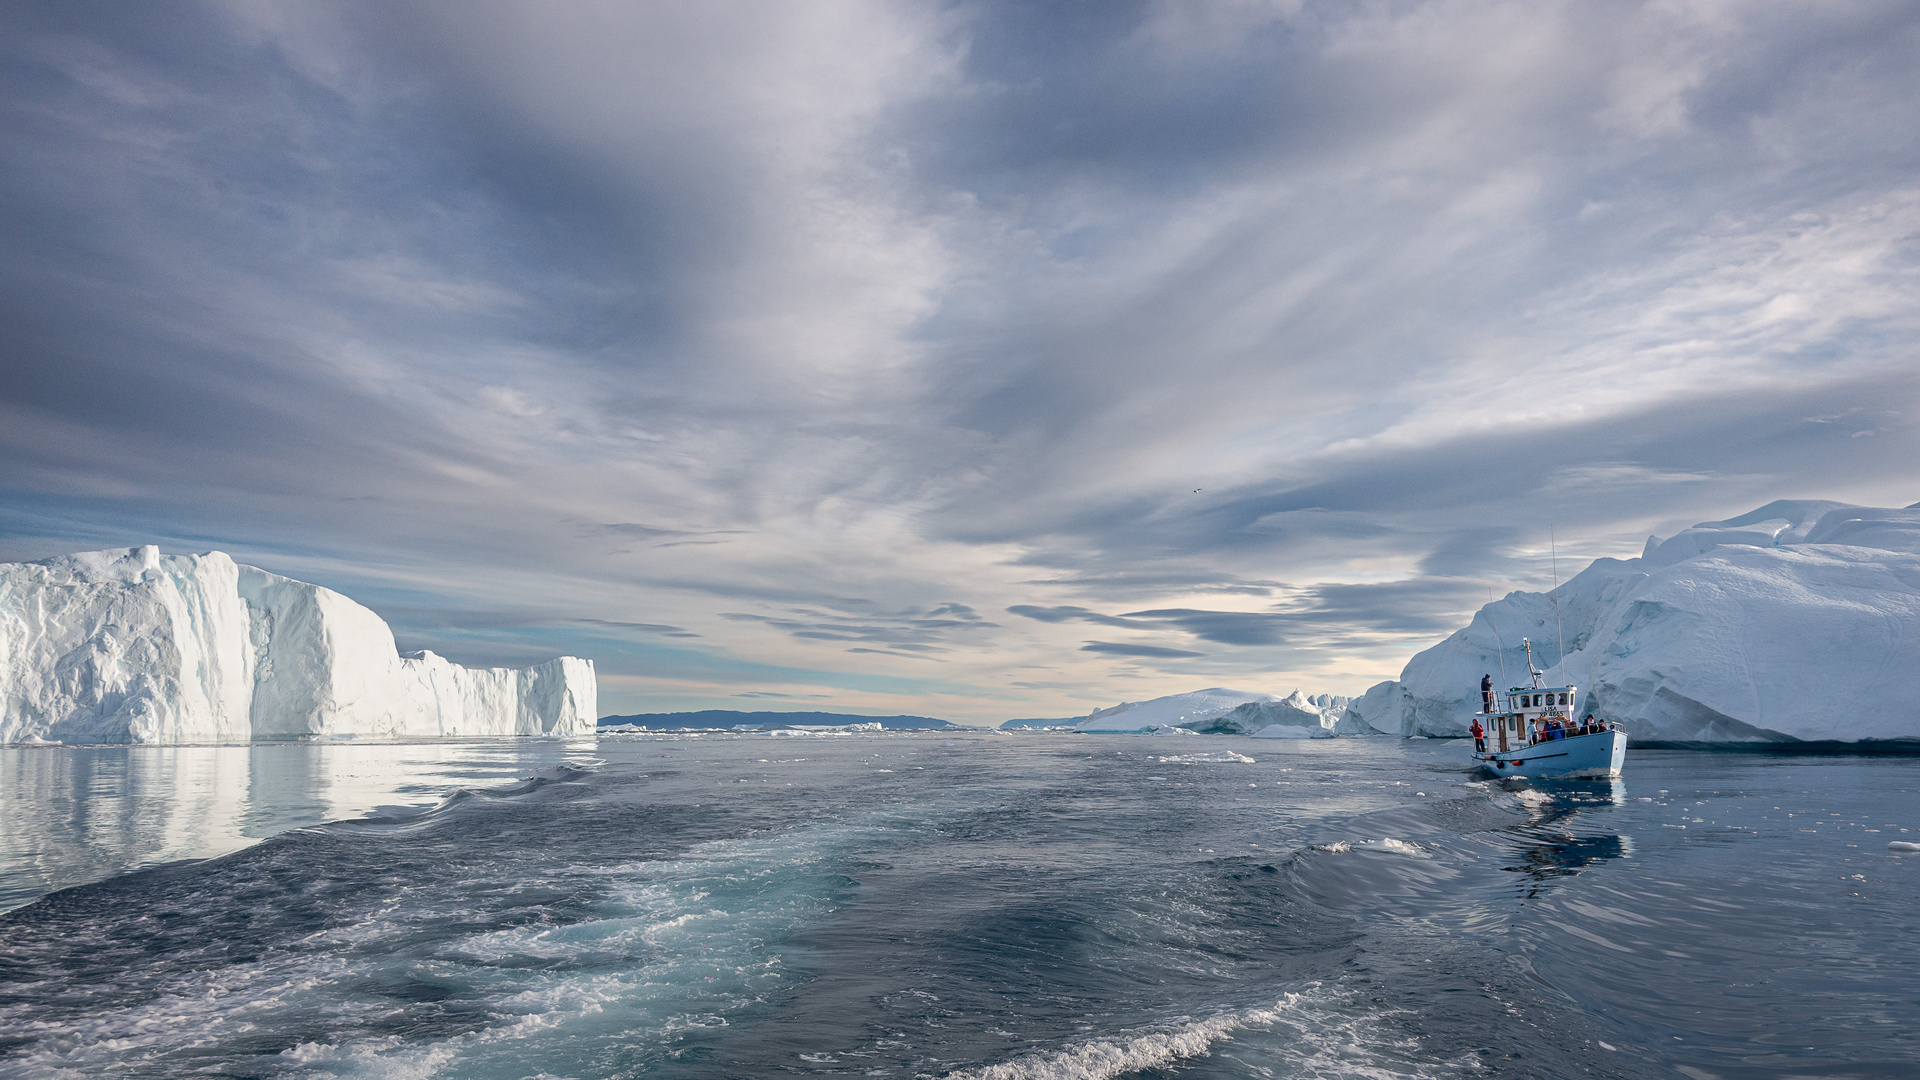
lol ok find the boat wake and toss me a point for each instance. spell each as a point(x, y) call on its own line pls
point(1316, 1031)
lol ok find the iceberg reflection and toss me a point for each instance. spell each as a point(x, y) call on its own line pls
point(72, 815)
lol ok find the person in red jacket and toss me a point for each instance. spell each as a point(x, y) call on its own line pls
point(1479, 736)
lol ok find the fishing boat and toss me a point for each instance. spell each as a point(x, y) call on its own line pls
point(1530, 732)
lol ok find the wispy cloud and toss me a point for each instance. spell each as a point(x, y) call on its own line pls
point(758, 350)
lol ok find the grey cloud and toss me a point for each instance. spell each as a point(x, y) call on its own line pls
point(649, 628)
point(1149, 651)
point(1225, 627)
point(911, 652)
point(900, 632)
point(1068, 613)
point(1313, 617)
point(635, 530)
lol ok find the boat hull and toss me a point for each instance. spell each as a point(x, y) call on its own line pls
point(1600, 756)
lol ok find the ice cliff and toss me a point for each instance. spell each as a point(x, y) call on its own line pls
point(1798, 621)
point(130, 645)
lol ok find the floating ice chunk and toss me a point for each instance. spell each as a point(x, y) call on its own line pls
point(1203, 759)
point(1902, 845)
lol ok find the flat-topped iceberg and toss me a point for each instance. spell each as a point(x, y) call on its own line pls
point(130, 645)
point(1796, 622)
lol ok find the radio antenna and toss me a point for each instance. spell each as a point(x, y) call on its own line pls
point(1553, 549)
point(1502, 654)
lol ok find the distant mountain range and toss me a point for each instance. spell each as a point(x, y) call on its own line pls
point(722, 719)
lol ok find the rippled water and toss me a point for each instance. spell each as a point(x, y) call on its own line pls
point(933, 904)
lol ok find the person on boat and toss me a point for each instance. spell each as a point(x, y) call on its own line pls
point(1479, 736)
point(1486, 693)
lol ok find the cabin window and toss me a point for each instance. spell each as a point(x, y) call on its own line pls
point(1536, 699)
point(1563, 699)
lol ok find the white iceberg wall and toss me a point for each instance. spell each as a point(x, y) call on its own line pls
point(1383, 709)
point(1796, 621)
point(134, 646)
point(1293, 716)
point(557, 697)
point(324, 664)
point(118, 645)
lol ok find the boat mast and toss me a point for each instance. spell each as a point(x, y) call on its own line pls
point(1532, 671)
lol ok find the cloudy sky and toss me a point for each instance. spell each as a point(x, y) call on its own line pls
point(975, 360)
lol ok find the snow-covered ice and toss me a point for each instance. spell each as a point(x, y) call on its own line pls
point(1174, 710)
point(1220, 711)
point(1794, 622)
point(129, 645)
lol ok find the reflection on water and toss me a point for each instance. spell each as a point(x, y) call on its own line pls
point(1550, 843)
point(70, 815)
point(1546, 858)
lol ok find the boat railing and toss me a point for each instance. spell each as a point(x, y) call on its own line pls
point(1569, 730)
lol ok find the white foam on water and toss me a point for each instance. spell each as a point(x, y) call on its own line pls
point(1207, 759)
point(679, 944)
point(1317, 1037)
point(1386, 845)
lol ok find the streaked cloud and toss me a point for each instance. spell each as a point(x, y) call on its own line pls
point(757, 351)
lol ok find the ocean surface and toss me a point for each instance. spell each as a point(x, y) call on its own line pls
point(938, 904)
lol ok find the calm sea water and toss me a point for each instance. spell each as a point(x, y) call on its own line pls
point(950, 905)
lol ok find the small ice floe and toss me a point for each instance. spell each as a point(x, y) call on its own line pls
point(1203, 759)
point(1902, 845)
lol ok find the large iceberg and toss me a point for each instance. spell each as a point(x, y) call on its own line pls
point(1796, 622)
point(1174, 710)
point(1220, 711)
point(1295, 716)
point(130, 645)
